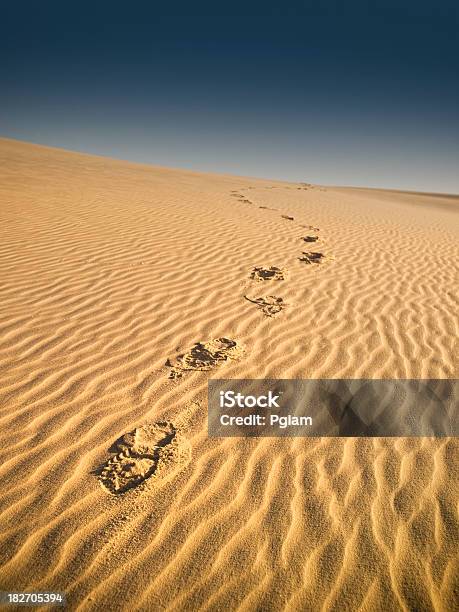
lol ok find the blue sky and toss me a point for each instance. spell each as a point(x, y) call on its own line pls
point(353, 93)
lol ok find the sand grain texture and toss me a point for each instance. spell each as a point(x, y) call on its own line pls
point(107, 270)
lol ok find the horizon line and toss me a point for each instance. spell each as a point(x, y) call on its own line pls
point(242, 176)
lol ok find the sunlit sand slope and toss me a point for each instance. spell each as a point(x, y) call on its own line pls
point(123, 288)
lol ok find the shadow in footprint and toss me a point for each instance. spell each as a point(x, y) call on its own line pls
point(310, 238)
point(270, 305)
point(156, 450)
point(271, 273)
point(312, 257)
point(205, 356)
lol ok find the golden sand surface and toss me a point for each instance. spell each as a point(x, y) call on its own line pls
point(123, 289)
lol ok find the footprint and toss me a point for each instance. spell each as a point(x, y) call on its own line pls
point(269, 304)
point(155, 450)
point(271, 273)
point(288, 218)
point(240, 197)
point(310, 238)
point(205, 356)
point(311, 227)
point(312, 257)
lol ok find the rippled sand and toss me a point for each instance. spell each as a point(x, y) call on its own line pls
point(125, 287)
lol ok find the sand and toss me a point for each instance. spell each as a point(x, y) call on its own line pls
point(123, 288)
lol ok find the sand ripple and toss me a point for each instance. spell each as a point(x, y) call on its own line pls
point(107, 269)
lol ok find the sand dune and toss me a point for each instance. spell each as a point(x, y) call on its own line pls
point(112, 276)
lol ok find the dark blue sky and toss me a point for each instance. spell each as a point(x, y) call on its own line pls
point(359, 93)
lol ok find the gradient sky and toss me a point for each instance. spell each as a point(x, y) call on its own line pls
point(347, 93)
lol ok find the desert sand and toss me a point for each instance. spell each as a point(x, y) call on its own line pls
point(123, 289)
